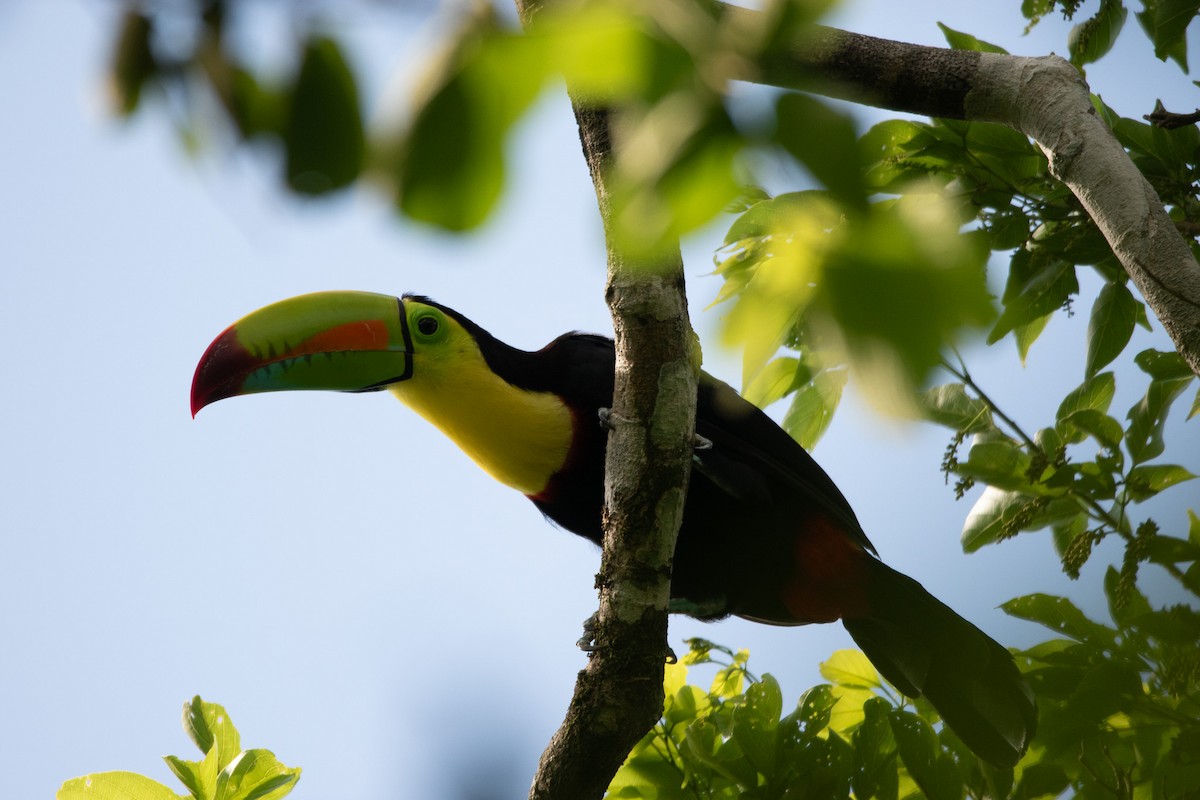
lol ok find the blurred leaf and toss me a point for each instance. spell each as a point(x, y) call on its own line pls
point(1091, 39)
point(133, 64)
point(1090, 422)
point(323, 132)
point(965, 41)
point(114, 786)
point(826, 142)
point(1147, 480)
point(951, 406)
point(1113, 316)
point(450, 169)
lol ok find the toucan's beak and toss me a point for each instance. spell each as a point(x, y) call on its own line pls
point(344, 341)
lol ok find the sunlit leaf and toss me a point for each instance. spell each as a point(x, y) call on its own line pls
point(207, 724)
point(993, 517)
point(850, 668)
point(1036, 287)
point(965, 41)
point(256, 775)
point(114, 786)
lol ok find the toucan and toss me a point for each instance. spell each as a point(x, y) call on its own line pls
point(766, 535)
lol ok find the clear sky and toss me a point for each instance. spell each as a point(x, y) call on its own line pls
point(362, 599)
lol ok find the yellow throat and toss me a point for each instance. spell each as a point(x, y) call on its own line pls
point(520, 438)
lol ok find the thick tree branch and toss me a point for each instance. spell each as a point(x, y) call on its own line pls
point(619, 695)
point(1044, 98)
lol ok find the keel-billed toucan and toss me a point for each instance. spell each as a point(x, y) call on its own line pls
point(791, 550)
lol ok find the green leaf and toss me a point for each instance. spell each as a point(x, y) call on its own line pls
point(1027, 334)
point(1125, 603)
point(1195, 405)
point(874, 769)
point(323, 132)
point(1147, 480)
point(1095, 393)
point(850, 668)
point(200, 777)
point(1036, 287)
point(208, 724)
point(826, 142)
point(1060, 615)
point(965, 41)
point(998, 462)
point(1166, 23)
point(1091, 39)
point(1090, 422)
point(930, 767)
point(1113, 317)
point(114, 786)
point(256, 775)
point(1163, 364)
point(951, 406)
point(1144, 434)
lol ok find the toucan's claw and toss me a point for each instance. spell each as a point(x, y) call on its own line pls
point(587, 642)
point(701, 443)
point(606, 421)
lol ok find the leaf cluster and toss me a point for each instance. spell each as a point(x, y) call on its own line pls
point(226, 772)
point(854, 736)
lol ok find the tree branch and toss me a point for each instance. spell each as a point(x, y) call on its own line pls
point(1045, 98)
point(619, 695)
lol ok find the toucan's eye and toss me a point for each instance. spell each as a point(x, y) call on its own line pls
point(427, 325)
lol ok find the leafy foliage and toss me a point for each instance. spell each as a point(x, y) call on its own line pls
point(227, 772)
point(875, 270)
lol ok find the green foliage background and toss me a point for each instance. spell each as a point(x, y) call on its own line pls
point(821, 286)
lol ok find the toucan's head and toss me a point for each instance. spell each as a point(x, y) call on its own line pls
point(342, 341)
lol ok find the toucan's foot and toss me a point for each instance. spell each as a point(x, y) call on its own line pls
point(587, 642)
point(606, 422)
point(701, 443)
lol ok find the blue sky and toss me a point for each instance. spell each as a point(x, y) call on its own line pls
point(362, 599)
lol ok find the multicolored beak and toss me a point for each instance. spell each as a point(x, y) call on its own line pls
point(341, 341)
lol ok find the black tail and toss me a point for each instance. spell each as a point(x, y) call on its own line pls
point(924, 648)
